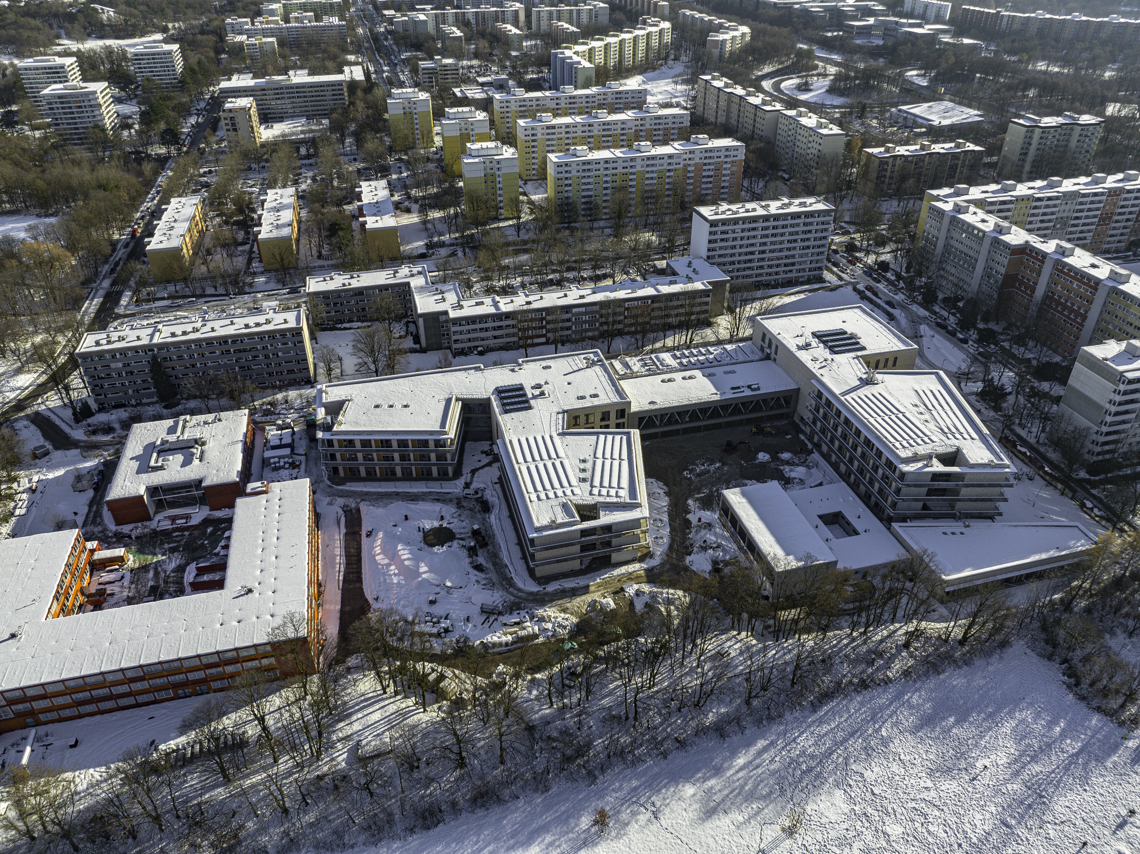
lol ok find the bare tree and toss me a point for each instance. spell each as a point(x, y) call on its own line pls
point(328, 361)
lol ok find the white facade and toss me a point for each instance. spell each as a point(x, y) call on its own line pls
point(778, 242)
point(492, 164)
point(159, 62)
point(42, 71)
point(302, 31)
point(74, 108)
point(1037, 147)
point(477, 19)
point(582, 15)
point(293, 96)
point(509, 107)
point(805, 142)
point(1102, 397)
point(930, 11)
point(745, 112)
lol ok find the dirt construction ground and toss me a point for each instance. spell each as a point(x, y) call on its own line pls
point(697, 466)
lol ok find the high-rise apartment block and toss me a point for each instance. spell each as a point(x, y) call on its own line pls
point(563, 33)
point(240, 122)
point(377, 217)
point(599, 130)
point(302, 31)
point(159, 62)
point(1037, 147)
point(744, 112)
point(42, 71)
point(442, 74)
point(722, 38)
point(775, 243)
point(583, 15)
point(807, 146)
point(1066, 29)
point(176, 238)
point(929, 11)
point(1100, 213)
point(509, 107)
point(75, 108)
point(653, 8)
point(1013, 274)
point(270, 349)
point(511, 35)
point(279, 229)
point(410, 119)
point(568, 70)
point(291, 96)
point(1102, 397)
point(490, 179)
point(477, 18)
point(909, 169)
point(458, 127)
point(582, 184)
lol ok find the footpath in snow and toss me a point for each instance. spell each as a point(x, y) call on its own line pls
point(996, 757)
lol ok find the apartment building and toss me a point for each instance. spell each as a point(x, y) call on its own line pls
point(377, 217)
point(159, 62)
point(184, 463)
point(722, 38)
point(443, 74)
point(807, 145)
point(582, 183)
point(458, 127)
point(176, 238)
point(346, 298)
point(1038, 147)
point(572, 471)
point(295, 95)
point(96, 661)
point(74, 108)
point(286, 8)
point(770, 244)
point(240, 122)
point(743, 112)
point(270, 349)
point(417, 23)
point(1102, 397)
point(599, 130)
point(511, 35)
point(477, 18)
point(1013, 274)
point(1100, 213)
point(1065, 29)
point(508, 107)
point(410, 119)
point(279, 229)
point(563, 33)
point(41, 72)
point(653, 8)
point(586, 14)
point(904, 440)
point(930, 11)
point(618, 53)
point(451, 40)
point(259, 50)
point(895, 170)
point(303, 31)
point(490, 180)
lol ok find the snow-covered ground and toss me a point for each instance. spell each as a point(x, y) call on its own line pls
point(667, 84)
point(816, 92)
point(17, 224)
point(940, 352)
point(46, 500)
point(995, 757)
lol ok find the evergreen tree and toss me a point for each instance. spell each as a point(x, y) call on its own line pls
point(163, 387)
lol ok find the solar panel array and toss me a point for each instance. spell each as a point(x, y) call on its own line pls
point(839, 341)
point(513, 398)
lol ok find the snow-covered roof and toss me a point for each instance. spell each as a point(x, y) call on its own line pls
point(30, 569)
point(416, 277)
point(975, 552)
point(375, 205)
point(266, 578)
point(869, 547)
point(695, 269)
point(221, 327)
point(775, 207)
point(721, 372)
point(175, 222)
point(777, 526)
point(570, 297)
point(277, 214)
point(209, 448)
point(1122, 356)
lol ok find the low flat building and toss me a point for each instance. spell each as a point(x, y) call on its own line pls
point(57, 666)
point(345, 297)
point(781, 242)
point(572, 472)
point(176, 238)
point(937, 115)
point(270, 349)
point(377, 217)
point(186, 464)
point(279, 229)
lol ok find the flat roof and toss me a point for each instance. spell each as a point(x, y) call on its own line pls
point(942, 113)
point(414, 275)
point(566, 298)
point(695, 269)
point(375, 205)
point(777, 526)
point(131, 337)
point(775, 207)
point(682, 147)
point(871, 546)
point(587, 118)
point(243, 103)
point(924, 147)
point(175, 222)
point(29, 572)
point(519, 94)
point(153, 47)
point(983, 551)
point(277, 214)
point(1124, 356)
point(1098, 183)
point(816, 123)
point(1056, 121)
point(209, 448)
point(269, 555)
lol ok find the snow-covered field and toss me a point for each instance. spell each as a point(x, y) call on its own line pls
point(17, 224)
point(996, 757)
point(666, 84)
point(816, 92)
